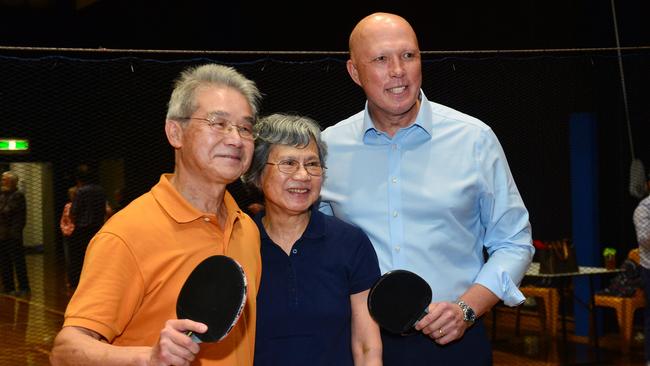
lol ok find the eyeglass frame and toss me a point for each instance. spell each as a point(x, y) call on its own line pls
point(213, 124)
point(297, 167)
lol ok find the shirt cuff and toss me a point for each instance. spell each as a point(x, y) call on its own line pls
point(502, 286)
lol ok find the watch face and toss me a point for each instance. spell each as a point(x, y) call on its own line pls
point(469, 315)
point(468, 312)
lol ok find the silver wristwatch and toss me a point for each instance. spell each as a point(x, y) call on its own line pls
point(469, 316)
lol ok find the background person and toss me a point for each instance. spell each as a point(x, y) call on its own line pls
point(66, 224)
point(13, 216)
point(120, 200)
point(124, 310)
point(641, 220)
point(432, 189)
point(317, 270)
point(87, 213)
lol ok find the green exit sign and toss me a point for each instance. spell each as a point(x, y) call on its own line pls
point(14, 145)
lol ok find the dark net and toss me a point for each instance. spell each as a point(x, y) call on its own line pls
point(109, 114)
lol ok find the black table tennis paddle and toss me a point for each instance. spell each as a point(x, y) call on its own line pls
point(213, 294)
point(398, 300)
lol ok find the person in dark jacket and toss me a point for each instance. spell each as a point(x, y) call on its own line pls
point(13, 215)
point(88, 212)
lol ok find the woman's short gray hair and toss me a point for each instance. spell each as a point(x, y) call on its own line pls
point(182, 102)
point(282, 129)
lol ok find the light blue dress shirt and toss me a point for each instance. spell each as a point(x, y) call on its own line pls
point(431, 198)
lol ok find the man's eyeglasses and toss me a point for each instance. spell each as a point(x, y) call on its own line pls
point(291, 166)
point(223, 126)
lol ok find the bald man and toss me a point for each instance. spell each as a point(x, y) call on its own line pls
point(432, 189)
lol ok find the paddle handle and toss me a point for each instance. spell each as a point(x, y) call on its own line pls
point(411, 329)
point(191, 334)
point(424, 313)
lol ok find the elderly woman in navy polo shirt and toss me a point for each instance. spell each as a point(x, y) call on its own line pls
point(316, 269)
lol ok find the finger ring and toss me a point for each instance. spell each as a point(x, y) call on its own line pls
point(440, 331)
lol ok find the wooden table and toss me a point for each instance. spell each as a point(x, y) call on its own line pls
point(590, 272)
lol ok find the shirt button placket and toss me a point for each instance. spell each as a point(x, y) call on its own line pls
point(394, 203)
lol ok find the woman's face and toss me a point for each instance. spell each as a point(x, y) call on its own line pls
point(294, 192)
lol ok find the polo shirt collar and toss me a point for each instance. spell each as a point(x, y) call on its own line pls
point(179, 209)
point(315, 228)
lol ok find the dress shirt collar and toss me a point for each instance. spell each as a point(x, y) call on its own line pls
point(423, 122)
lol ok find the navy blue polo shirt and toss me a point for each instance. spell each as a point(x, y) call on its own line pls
point(303, 303)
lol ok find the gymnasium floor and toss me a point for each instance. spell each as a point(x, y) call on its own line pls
point(28, 326)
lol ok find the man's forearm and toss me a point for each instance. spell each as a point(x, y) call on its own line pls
point(77, 346)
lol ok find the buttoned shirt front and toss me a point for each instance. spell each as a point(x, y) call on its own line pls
point(304, 312)
point(431, 198)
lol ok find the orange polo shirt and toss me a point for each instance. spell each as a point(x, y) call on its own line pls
point(137, 263)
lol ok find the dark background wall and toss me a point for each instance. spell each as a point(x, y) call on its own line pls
point(276, 25)
point(95, 106)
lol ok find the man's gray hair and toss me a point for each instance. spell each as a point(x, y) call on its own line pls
point(182, 102)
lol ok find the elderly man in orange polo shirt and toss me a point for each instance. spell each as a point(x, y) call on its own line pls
point(123, 311)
